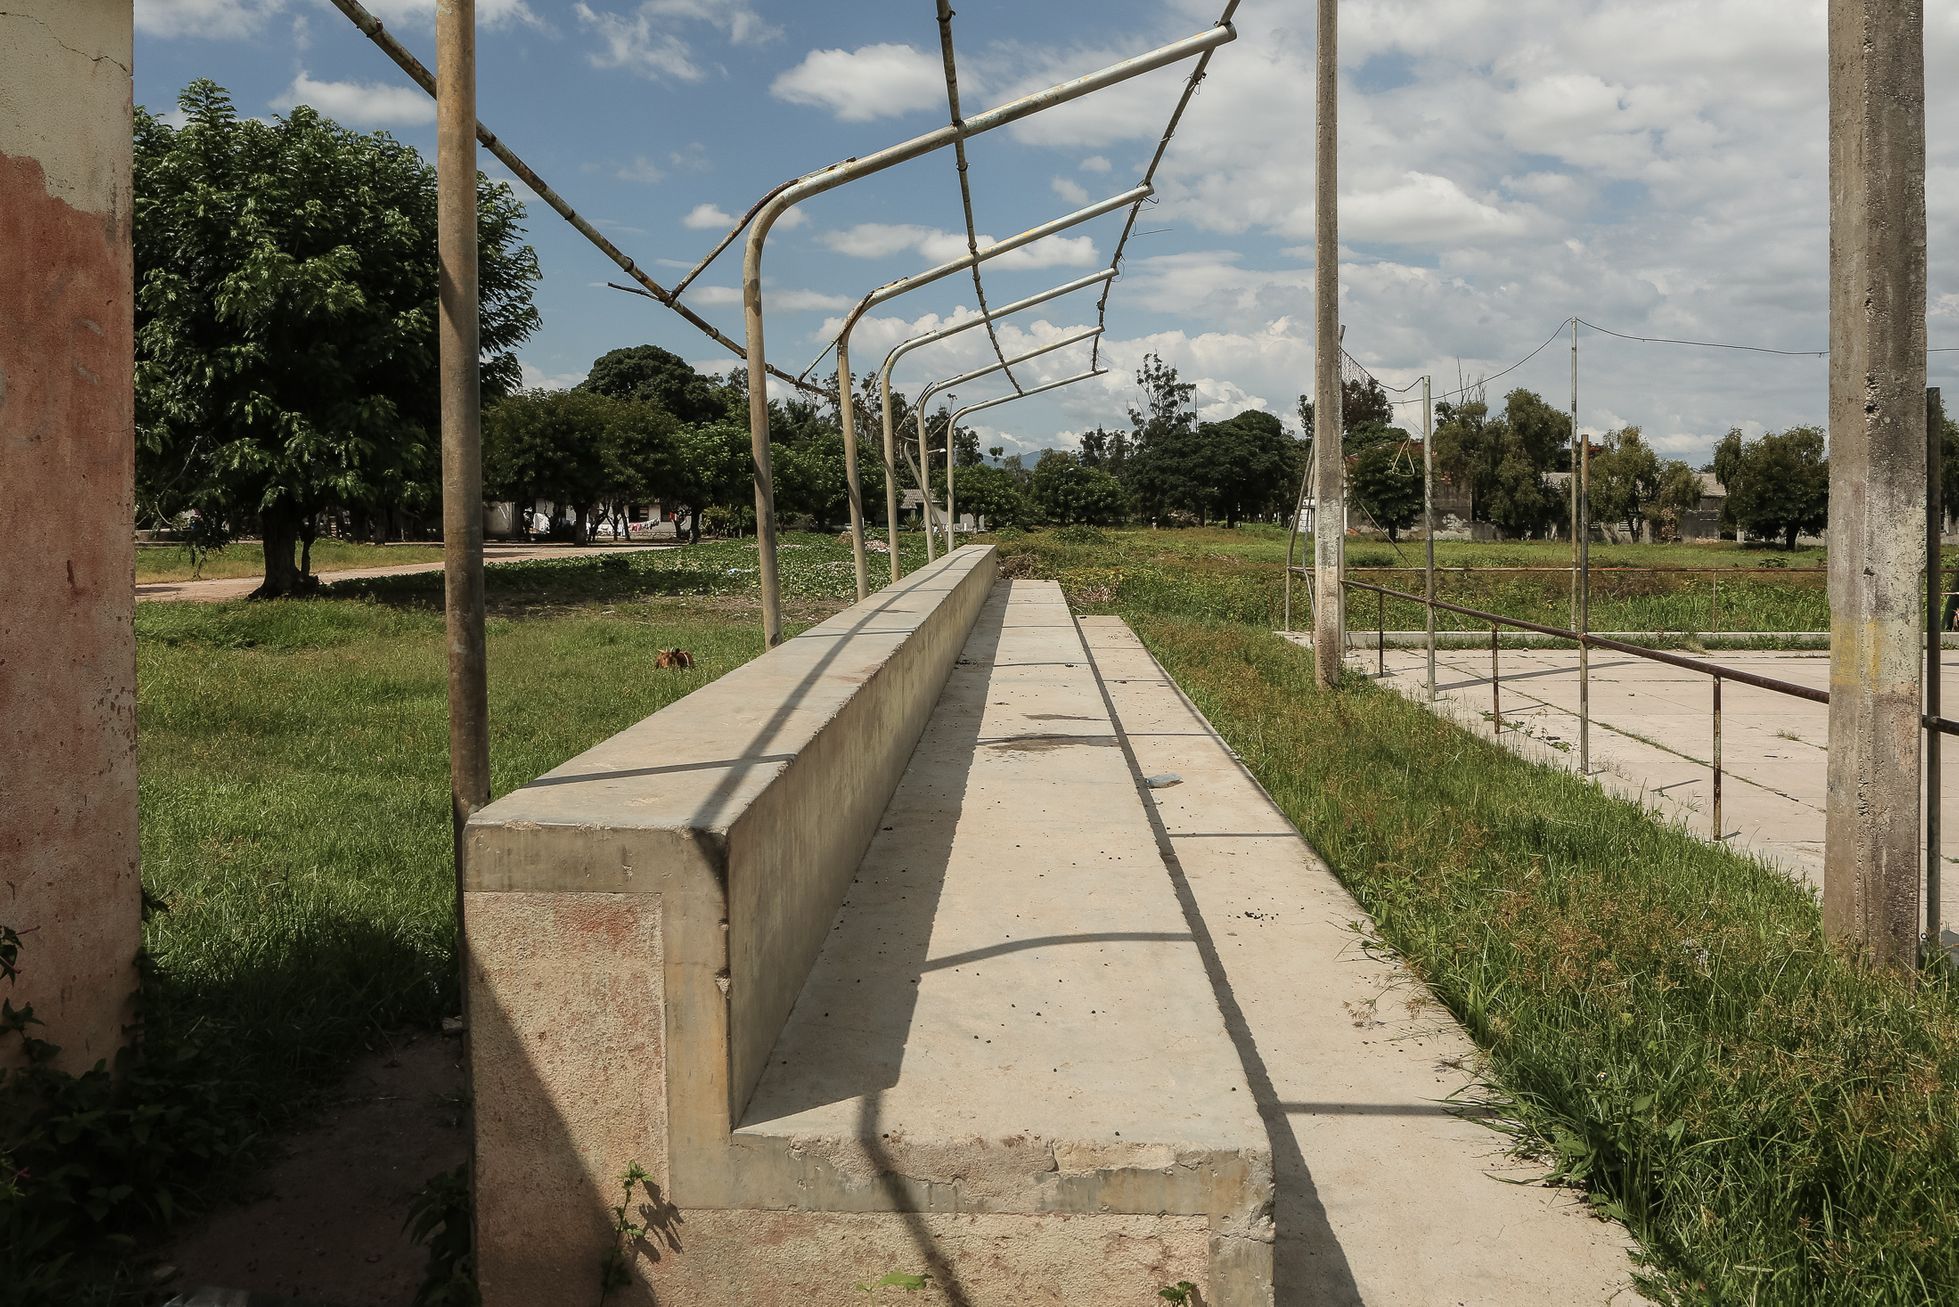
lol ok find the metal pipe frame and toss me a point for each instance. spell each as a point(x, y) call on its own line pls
point(848, 170)
point(904, 347)
point(952, 427)
point(946, 384)
point(418, 73)
point(847, 413)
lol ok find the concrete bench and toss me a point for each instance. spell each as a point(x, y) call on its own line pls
point(866, 954)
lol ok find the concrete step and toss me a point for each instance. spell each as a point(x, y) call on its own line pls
point(1011, 1015)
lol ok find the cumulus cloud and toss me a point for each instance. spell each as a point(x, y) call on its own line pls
point(873, 240)
point(359, 104)
point(648, 39)
point(708, 217)
point(536, 378)
point(204, 18)
point(874, 81)
point(489, 13)
point(1070, 190)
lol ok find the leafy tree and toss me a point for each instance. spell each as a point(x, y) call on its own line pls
point(576, 448)
point(1108, 450)
point(1363, 403)
point(1679, 494)
point(1387, 486)
point(995, 494)
point(286, 315)
point(1545, 431)
point(1067, 491)
point(1166, 465)
point(714, 469)
point(653, 375)
point(1625, 479)
point(1249, 466)
point(1780, 485)
point(1518, 498)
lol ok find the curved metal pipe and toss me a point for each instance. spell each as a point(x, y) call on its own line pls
point(849, 170)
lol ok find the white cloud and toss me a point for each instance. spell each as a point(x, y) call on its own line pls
point(641, 169)
point(1070, 190)
point(1096, 163)
point(871, 240)
point(789, 299)
point(489, 13)
point(645, 41)
point(708, 217)
point(204, 18)
point(536, 378)
point(874, 81)
point(360, 104)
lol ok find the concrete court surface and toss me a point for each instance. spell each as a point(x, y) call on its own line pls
point(1652, 739)
point(219, 589)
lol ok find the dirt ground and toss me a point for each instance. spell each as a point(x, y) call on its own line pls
point(324, 1222)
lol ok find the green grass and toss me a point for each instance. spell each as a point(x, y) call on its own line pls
point(1239, 576)
point(296, 850)
point(167, 562)
point(1775, 1123)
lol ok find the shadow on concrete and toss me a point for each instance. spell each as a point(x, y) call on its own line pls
point(1309, 1265)
point(1512, 677)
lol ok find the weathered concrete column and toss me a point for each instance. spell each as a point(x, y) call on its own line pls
point(68, 881)
point(1877, 474)
point(1330, 466)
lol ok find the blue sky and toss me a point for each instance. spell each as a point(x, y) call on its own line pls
point(1654, 166)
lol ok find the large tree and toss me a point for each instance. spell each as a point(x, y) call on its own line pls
point(1624, 479)
point(653, 375)
point(579, 449)
point(1387, 485)
point(1779, 486)
point(1249, 466)
point(1067, 491)
point(286, 288)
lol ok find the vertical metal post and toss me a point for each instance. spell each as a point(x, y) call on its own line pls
point(1496, 678)
point(951, 430)
point(1871, 873)
point(758, 433)
point(1329, 489)
point(1380, 634)
point(890, 479)
point(925, 487)
point(1717, 758)
point(1581, 483)
point(1934, 643)
point(1428, 527)
point(853, 483)
point(462, 434)
point(1573, 511)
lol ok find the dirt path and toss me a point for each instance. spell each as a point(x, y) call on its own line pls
point(237, 587)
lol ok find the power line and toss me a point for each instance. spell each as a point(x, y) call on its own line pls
point(1707, 344)
point(1480, 382)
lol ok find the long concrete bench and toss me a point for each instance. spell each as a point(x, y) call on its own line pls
point(997, 1062)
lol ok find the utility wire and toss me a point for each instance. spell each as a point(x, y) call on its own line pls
point(1480, 382)
point(1707, 344)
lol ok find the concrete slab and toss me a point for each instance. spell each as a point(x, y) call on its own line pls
point(1652, 741)
point(1010, 1014)
point(1386, 1195)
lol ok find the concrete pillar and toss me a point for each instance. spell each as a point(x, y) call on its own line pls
point(1330, 465)
point(1877, 474)
point(68, 881)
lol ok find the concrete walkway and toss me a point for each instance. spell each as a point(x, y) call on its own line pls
point(1652, 740)
point(238, 587)
point(1386, 1194)
point(1047, 967)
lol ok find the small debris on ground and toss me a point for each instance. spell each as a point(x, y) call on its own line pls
point(1163, 780)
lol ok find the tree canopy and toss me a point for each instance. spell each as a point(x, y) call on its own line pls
point(1778, 484)
point(286, 314)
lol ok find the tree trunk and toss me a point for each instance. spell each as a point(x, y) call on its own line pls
point(693, 525)
point(309, 530)
point(1789, 537)
point(279, 528)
